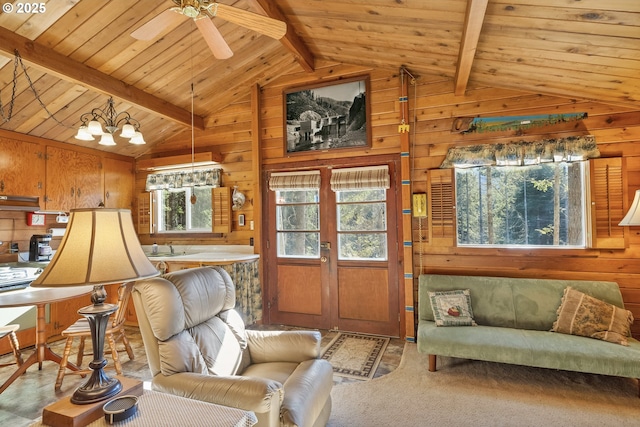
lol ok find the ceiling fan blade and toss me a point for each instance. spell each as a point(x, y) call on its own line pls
point(253, 21)
point(156, 25)
point(214, 39)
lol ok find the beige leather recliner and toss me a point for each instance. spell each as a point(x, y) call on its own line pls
point(197, 347)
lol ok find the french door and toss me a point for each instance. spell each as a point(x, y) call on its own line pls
point(332, 249)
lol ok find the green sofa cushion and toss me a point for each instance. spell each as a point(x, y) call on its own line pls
point(531, 348)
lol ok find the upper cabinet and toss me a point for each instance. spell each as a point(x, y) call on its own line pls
point(73, 180)
point(21, 168)
point(118, 183)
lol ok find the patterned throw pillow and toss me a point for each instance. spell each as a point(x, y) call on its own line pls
point(452, 308)
point(584, 315)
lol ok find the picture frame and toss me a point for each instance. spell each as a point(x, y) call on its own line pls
point(328, 116)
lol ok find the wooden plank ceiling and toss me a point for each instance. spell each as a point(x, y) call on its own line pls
point(77, 53)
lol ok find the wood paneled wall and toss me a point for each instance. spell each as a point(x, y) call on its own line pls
point(617, 132)
point(229, 136)
point(432, 109)
point(14, 229)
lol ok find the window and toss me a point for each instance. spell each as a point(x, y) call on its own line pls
point(526, 206)
point(298, 223)
point(362, 224)
point(176, 213)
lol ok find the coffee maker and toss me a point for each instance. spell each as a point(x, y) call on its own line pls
point(39, 249)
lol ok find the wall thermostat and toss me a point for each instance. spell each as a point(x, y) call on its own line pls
point(35, 219)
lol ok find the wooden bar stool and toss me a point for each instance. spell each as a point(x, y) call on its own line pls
point(115, 332)
point(10, 330)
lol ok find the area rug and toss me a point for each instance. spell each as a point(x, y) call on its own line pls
point(355, 356)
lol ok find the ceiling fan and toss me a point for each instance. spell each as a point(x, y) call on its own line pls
point(201, 11)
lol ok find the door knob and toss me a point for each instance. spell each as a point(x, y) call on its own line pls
point(323, 259)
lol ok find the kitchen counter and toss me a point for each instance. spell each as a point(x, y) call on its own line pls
point(202, 253)
point(203, 257)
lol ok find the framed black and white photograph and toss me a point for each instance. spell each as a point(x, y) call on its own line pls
point(328, 116)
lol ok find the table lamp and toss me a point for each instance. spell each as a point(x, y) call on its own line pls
point(100, 247)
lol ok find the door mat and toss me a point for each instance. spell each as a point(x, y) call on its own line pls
point(355, 356)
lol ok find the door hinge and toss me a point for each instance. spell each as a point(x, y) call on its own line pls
point(268, 245)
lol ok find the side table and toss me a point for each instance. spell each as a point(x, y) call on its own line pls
point(162, 409)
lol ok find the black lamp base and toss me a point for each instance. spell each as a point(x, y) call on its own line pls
point(99, 386)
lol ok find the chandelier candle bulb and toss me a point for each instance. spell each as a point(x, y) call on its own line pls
point(128, 131)
point(95, 128)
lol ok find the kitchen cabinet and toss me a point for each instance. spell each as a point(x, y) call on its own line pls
point(60, 315)
point(118, 183)
point(73, 180)
point(21, 168)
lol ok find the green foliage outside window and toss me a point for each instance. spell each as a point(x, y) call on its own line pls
point(540, 205)
point(362, 224)
point(298, 223)
point(177, 213)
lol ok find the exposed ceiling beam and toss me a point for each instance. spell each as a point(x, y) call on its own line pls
point(476, 10)
point(291, 41)
point(59, 65)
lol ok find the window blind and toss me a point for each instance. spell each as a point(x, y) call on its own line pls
point(360, 178)
point(301, 180)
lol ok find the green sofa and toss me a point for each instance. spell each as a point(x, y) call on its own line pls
point(514, 318)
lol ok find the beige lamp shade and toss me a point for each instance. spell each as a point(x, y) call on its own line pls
point(633, 216)
point(100, 247)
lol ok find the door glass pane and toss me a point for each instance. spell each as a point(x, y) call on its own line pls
point(298, 223)
point(362, 224)
point(362, 246)
point(299, 245)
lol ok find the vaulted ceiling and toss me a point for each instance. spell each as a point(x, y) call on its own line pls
point(78, 53)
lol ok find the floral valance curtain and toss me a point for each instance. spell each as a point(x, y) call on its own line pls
point(303, 180)
point(360, 178)
point(180, 179)
point(569, 149)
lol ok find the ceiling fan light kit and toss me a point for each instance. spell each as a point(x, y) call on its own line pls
point(93, 122)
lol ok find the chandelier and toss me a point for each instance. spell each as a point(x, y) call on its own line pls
point(92, 125)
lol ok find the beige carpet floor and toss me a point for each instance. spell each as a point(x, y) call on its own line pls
point(474, 393)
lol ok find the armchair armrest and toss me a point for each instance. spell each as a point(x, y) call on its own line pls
point(251, 394)
point(283, 346)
